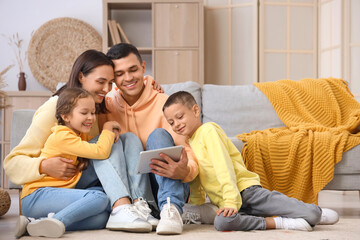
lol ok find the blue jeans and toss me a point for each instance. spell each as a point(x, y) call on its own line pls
point(86, 207)
point(117, 174)
point(166, 187)
point(78, 209)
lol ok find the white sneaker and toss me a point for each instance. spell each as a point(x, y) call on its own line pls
point(46, 227)
point(170, 220)
point(21, 224)
point(127, 218)
point(204, 213)
point(145, 211)
point(292, 224)
point(328, 217)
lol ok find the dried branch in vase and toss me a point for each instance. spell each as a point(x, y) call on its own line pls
point(3, 95)
point(16, 44)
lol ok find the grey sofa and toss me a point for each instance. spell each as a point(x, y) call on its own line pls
point(237, 109)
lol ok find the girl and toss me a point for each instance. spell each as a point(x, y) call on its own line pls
point(94, 72)
point(75, 112)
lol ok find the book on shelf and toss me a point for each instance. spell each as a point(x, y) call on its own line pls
point(112, 34)
point(122, 33)
point(117, 32)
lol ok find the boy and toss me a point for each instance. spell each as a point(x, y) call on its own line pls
point(229, 185)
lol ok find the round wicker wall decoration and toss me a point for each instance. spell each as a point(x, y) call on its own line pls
point(55, 46)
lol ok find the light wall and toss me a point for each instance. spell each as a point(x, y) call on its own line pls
point(249, 41)
point(25, 16)
point(244, 43)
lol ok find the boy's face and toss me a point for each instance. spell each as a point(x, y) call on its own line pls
point(82, 117)
point(129, 77)
point(183, 121)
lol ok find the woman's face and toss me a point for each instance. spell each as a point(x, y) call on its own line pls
point(98, 82)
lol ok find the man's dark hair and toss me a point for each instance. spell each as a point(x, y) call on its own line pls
point(122, 50)
point(182, 97)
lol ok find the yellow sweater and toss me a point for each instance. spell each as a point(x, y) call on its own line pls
point(22, 163)
point(64, 142)
point(222, 173)
point(321, 118)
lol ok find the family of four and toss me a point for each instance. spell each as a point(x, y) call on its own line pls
point(78, 161)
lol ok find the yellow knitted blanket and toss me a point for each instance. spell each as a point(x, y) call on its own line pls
point(321, 118)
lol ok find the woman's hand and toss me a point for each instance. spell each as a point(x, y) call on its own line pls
point(58, 167)
point(157, 86)
point(113, 126)
point(227, 212)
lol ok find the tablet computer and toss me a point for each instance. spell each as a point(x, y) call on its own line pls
point(146, 156)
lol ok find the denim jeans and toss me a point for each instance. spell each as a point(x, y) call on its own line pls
point(117, 174)
point(86, 207)
point(78, 209)
point(166, 187)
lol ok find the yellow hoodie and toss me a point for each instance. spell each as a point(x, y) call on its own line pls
point(143, 117)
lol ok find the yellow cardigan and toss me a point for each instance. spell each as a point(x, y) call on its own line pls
point(66, 143)
point(22, 163)
point(321, 118)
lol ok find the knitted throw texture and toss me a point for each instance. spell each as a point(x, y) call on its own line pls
point(321, 118)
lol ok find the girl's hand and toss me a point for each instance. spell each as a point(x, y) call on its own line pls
point(58, 167)
point(157, 86)
point(113, 126)
point(227, 212)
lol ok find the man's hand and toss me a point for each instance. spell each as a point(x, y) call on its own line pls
point(171, 169)
point(58, 167)
point(227, 212)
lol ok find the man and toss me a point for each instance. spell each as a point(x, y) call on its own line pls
point(138, 109)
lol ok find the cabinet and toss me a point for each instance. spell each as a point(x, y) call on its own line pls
point(169, 35)
point(16, 100)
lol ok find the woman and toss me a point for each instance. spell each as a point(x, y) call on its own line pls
point(94, 72)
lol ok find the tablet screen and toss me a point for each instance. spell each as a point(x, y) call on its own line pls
point(146, 156)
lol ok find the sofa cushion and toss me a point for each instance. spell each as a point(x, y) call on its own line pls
point(189, 86)
point(238, 109)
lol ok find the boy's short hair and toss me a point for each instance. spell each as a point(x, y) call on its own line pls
point(182, 97)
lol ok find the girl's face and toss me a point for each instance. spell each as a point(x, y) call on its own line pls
point(82, 116)
point(98, 82)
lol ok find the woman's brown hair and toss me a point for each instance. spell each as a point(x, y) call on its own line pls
point(85, 64)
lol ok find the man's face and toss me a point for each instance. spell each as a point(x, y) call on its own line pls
point(129, 77)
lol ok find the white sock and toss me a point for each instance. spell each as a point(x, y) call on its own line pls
point(278, 222)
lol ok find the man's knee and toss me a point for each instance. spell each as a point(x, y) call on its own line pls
point(130, 137)
point(159, 133)
point(159, 138)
